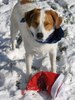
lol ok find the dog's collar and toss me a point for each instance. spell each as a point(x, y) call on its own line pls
point(54, 37)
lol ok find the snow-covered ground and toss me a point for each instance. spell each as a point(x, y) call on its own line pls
point(12, 63)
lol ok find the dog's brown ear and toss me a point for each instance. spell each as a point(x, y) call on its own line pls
point(29, 16)
point(57, 19)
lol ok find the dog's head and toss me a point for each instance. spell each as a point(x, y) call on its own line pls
point(41, 23)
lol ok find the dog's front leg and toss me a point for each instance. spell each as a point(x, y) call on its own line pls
point(29, 61)
point(53, 60)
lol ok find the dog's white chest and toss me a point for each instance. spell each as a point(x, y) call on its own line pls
point(42, 51)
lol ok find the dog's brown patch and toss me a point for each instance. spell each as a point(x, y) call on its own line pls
point(51, 19)
point(32, 18)
point(24, 1)
point(36, 18)
point(57, 19)
point(49, 22)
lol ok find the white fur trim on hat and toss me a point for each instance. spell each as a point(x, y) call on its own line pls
point(62, 90)
point(57, 84)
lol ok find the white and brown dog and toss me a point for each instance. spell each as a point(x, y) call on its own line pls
point(35, 26)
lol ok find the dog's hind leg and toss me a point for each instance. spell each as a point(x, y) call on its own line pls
point(13, 31)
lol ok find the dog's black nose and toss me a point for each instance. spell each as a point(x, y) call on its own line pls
point(39, 35)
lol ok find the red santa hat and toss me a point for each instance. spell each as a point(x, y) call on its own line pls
point(41, 81)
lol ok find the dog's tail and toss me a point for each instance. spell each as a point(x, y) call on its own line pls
point(25, 1)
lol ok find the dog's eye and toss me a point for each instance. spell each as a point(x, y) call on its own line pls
point(46, 24)
point(36, 23)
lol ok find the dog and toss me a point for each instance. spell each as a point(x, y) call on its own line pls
point(40, 30)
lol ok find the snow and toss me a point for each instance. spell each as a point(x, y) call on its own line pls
point(12, 63)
